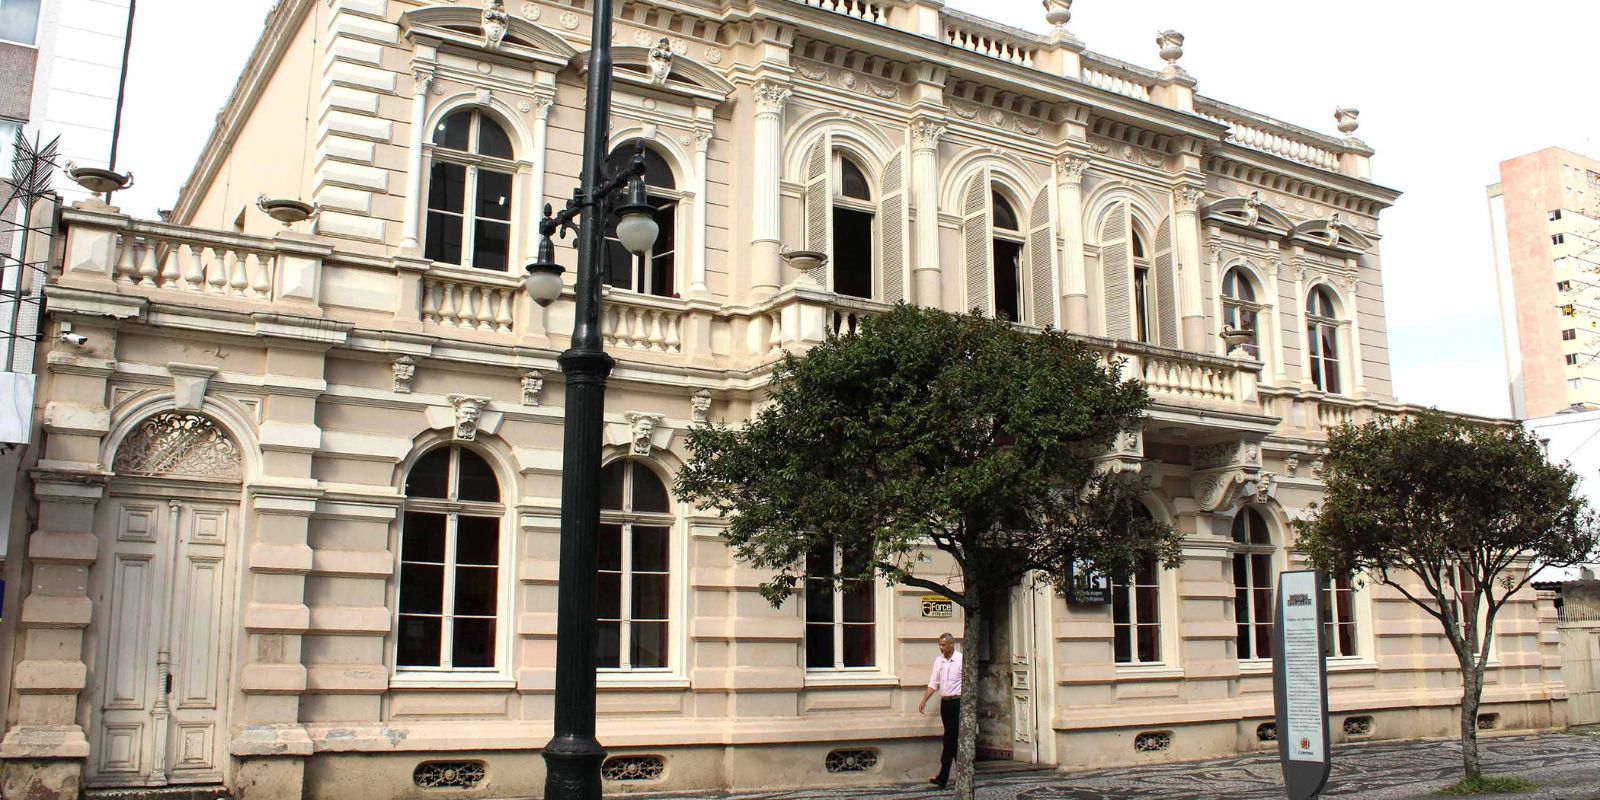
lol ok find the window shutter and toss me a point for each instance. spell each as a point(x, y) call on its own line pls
point(975, 233)
point(819, 216)
point(892, 245)
point(1166, 288)
point(1116, 273)
point(1042, 258)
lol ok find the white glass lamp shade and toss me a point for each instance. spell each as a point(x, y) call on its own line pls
point(543, 286)
point(637, 231)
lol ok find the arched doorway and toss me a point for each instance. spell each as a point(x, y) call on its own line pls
point(163, 597)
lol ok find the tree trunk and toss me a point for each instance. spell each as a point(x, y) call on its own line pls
point(1471, 695)
point(967, 749)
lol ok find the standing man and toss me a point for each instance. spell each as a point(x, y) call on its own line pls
point(946, 680)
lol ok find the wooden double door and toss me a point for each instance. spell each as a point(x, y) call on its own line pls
point(163, 632)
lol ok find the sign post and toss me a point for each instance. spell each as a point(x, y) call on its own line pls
point(1300, 684)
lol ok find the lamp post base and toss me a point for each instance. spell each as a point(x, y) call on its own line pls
point(572, 768)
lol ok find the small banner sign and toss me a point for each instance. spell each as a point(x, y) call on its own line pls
point(937, 606)
point(1088, 587)
point(1300, 684)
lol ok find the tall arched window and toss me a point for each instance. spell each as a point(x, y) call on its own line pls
point(450, 547)
point(635, 567)
point(469, 192)
point(1136, 613)
point(854, 217)
point(1322, 340)
point(1008, 239)
point(654, 272)
point(1143, 291)
point(1252, 583)
point(1240, 309)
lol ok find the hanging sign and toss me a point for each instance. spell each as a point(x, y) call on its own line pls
point(1088, 587)
point(1300, 684)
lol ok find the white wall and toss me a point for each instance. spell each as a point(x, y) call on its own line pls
point(75, 86)
point(1573, 438)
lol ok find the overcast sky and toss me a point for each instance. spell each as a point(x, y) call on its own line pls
point(1447, 91)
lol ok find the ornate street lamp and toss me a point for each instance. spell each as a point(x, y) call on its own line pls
point(573, 756)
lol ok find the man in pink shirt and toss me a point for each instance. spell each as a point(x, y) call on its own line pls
point(946, 680)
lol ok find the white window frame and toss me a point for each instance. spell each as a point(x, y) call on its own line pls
point(882, 611)
point(1238, 306)
point(836, 201)
point(1330, 586)
point(500, 675)
point(1164, 619)
point(38, 25)
point(1336, 326)
point(680, 247)
point(1251, 550)
point(627, 519)
point(473, 162)
point(1025, 315)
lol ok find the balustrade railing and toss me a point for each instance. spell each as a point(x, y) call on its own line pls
point(641, 323)
point(871, 12)
point(1117, 78)
point(1187, 379)
point(1333, 414)
point(1247, 130)
point(469, 302)
point(985, 39)
point(178, 259)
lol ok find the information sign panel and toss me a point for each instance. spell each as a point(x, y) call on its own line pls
point(1300, 684)
point(937, 606)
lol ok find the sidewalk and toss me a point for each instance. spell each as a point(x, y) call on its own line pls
point(1566, 766)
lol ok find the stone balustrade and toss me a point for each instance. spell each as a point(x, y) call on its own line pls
point(1335, 412)
point(988, 39)
point(642, 322)
point(1270, 136)
point(1117, 77)
point(860, 9)
point(471, 301)
point(159, 256)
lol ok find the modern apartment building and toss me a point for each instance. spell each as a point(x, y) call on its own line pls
point(1544, 218)
point(297, 506)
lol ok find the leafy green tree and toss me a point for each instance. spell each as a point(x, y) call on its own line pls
point(1469, 511)
point(929, 428)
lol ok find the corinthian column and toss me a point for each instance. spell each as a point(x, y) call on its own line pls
point(765, 243)
point(1075, 288)
point(1186, 240)
point(421, 80)
point(925, 277)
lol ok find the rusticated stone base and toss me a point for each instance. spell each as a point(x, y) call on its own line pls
point(42, 779)
point(269, 778)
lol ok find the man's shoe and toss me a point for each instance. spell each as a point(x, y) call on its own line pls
point(937, 782)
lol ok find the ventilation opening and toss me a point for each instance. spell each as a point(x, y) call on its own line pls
point(1152, 741)
point(633, 768)
point(1488, 722)
point(1267, 732)
point(864, 760)
point(1358, 726)
point(449, 774)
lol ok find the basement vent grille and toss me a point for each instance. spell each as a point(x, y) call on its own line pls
point(852, 760)
point(1358, 726)
point(633, 768)
point(1152, 741)
point(449, 774)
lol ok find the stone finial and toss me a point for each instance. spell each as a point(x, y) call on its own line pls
point(405, 370)
point(496, 21)
point(468, 410)
point(641, 431)
point(661, 61)
point(1349, 120)
point(1171, 47)
point(532, 387)
point(1058, 13)
point(700, 406)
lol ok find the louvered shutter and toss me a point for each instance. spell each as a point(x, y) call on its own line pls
point(1042, 259)
point(1166, 288)
point(819, 216)
point(975, 236)
point(892, 244)
point(1116, 273)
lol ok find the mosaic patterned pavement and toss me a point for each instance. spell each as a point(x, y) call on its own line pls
point(1567, 765)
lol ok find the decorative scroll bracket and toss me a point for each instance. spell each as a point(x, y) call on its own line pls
point(1226, 471)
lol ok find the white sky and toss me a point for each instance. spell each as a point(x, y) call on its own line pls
point(1446, 91)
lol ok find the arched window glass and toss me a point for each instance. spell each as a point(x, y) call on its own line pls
point(654, 272)
point(635, 567)
point(854, 221)
point(469, 192)
point(1143, 292)
point(450, 546)
point(1239, 307)
point(1136, 613)
point(1008, 269)
point(1252, 583)
point(1322, 340)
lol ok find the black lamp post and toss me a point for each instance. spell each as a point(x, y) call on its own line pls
point(573, 756)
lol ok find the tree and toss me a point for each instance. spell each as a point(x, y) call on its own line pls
point(1470, 511)
point(929, 428)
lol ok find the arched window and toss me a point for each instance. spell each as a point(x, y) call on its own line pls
point(1136, 613)
point(1253, 583)
point(841, 618)
point(654, 272)
point(1138, 277)
point(1143, 291)
point(854, 217)
point(469, 192)
point(1240, 309)
point(635, 567)
point(1322, 340)
point(1008, 238)
point(450, 547)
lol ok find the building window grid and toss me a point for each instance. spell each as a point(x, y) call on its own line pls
point(854, 259)
point(19, 21)
point(1339, 618)
point(449, 585)
point(655, 271)
point(1136, 616)
point(1240, 311)
point(1143, 290)
point(1253, 584)
point(1558, 238)
point(635, 569)
point(1322, 340)
point(469, 193)
point(1008, 243)
point(841, 620)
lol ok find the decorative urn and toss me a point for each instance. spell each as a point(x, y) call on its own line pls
point(97, 180)
point(286, 211)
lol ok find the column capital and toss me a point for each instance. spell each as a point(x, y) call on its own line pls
point(1187, 199)
point(1071, 168)
point(925, 133)
point(771, 97)
point(702, 139)
point(423, 77)
point(541, 106)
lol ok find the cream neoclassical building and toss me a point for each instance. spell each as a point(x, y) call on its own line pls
point(292, 526)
